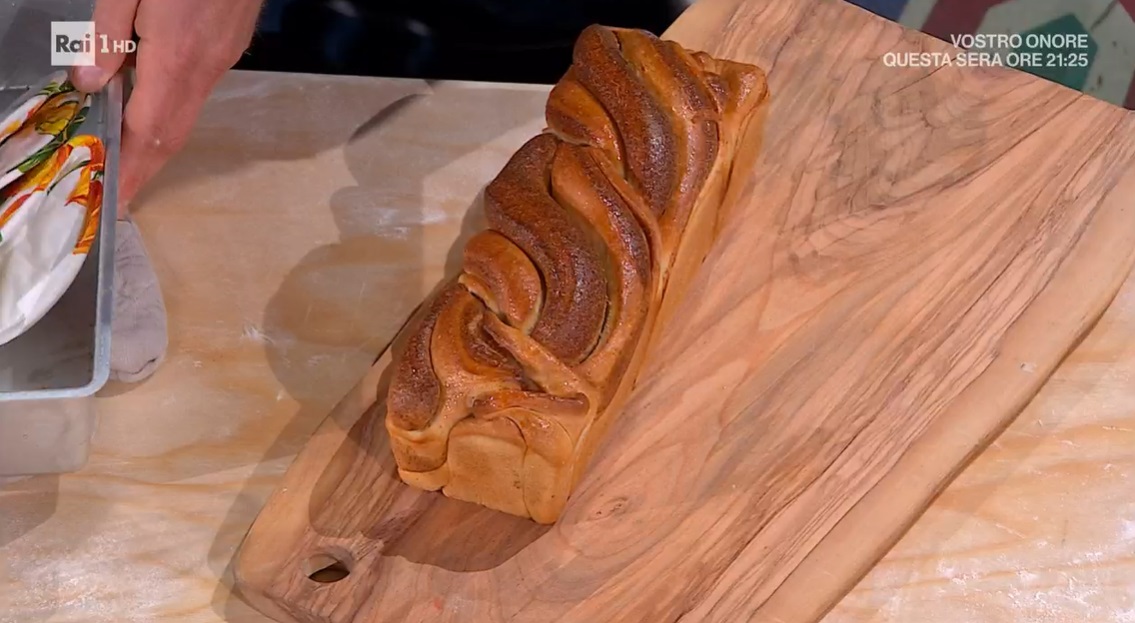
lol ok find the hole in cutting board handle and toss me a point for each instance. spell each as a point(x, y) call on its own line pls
point(325, 569)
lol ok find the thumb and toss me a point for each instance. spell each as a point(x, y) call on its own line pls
point(114, 21)
point(91, 79)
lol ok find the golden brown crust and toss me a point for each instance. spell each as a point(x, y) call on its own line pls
point(579, 118)
point(641, 119)
point(669, 73)
point(501, 275)
point(519, 206)
point(415, 390)
point(580, 182)
point(508, 383)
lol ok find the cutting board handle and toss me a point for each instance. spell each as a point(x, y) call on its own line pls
point(313, 554)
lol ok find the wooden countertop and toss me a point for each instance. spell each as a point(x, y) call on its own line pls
point(294, 185)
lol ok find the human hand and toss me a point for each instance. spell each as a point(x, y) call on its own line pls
point(184, 47)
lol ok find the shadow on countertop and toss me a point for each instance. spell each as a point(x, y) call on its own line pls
point(315, 330)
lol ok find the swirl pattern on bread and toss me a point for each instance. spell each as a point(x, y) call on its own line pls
point(512, 372)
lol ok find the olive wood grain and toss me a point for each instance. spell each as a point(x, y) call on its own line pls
point(912, 254)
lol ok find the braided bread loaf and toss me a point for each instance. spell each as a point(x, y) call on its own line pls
point(510, 375)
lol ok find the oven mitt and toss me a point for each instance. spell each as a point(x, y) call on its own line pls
point(139, 338)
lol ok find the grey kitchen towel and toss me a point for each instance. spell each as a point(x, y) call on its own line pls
point(139, 334)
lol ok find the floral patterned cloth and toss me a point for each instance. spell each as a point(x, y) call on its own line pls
point(51, 183)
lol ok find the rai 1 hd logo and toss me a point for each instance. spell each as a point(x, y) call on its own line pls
point(74, 44)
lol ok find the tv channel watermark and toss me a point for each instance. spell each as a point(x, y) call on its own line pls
point(74, 44)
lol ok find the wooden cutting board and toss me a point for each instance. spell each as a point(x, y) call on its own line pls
point(910, 258)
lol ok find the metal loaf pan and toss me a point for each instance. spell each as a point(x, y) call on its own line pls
point(49, 375)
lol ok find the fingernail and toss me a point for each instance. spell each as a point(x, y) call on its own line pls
point(90, 79)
